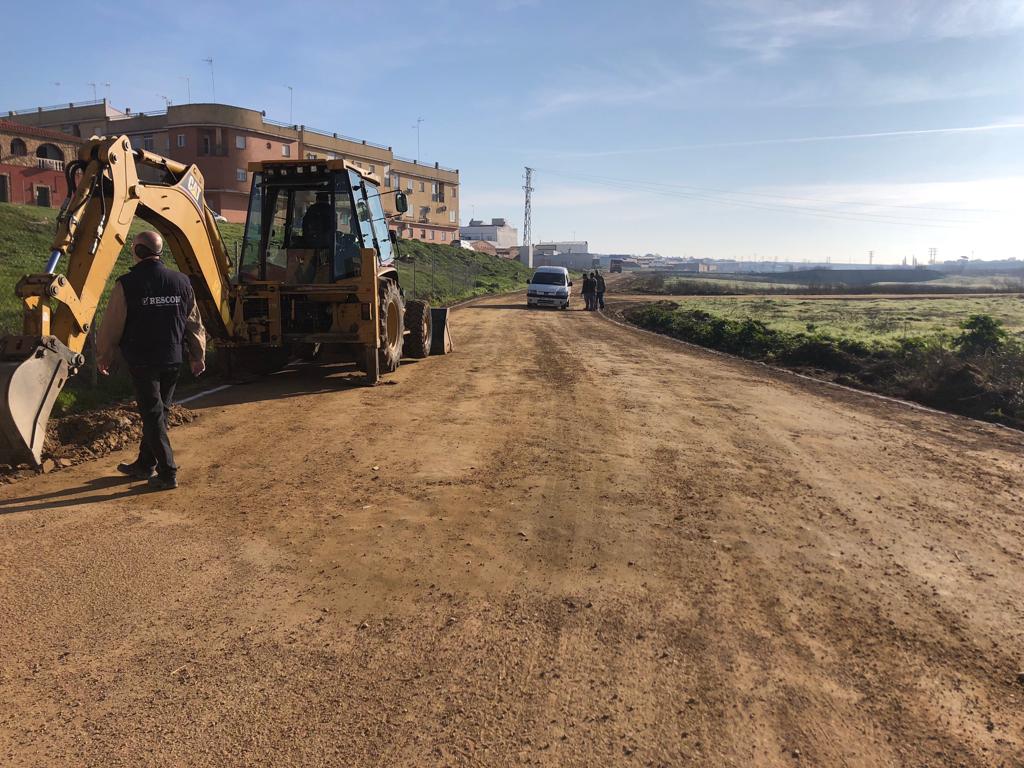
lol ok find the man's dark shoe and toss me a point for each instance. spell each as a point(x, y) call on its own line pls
point(163, 483)
point(136, 470)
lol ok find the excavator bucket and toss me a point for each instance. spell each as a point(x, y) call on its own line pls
point(33, 370)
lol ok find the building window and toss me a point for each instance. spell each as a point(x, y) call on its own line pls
point(431, 234)
point(423, 234)
point(408, 185)
point(286, 150)
point(454, 190)
point(451, 217)
point(240, 174)
point(423, 187)
point(147, 143)
point(206, 145)
point(444, 235)
point(239, 142)
point(311, 155)
point(181, 140)
point(373, 169)
point(18, 148)
point(395, 181)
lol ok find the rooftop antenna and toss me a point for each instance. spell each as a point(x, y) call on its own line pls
point(871, 258)
point(213, 83)
point(527, 235)
point(291, 95)
point(107, 86)
point(419, 121)
point(188, 88)
point(167, 102)
point(93, 90)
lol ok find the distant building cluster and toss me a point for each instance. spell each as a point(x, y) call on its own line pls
point(222, 140)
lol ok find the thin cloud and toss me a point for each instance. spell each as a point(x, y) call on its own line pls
point(769, 28)
point(796, 140)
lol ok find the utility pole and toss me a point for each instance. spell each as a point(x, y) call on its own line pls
point(291, 97)
point(213, 83)
point(419, 121)
point(933, 254)
point(188, 89)
point(871, 258)
point(527, 235)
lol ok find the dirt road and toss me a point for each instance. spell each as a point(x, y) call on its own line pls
point(569, 544)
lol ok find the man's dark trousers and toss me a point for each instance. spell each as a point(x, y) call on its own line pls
point(154, 392)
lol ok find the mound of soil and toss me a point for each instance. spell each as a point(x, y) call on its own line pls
point(81, 437)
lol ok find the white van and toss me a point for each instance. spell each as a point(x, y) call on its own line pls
point(549, 287)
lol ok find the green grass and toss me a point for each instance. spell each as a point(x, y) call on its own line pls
point(867, 319)
point(973, 366)
point(458, 273)
point(26, 233)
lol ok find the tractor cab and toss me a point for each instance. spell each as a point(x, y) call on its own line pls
point(309, 223)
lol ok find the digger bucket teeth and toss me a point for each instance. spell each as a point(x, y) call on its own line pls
point(33, 370)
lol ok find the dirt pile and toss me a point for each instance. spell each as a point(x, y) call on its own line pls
point(81, 437)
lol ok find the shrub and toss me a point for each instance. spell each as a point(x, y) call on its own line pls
point(982, 334)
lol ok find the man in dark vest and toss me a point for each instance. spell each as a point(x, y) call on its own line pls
point(152, 313)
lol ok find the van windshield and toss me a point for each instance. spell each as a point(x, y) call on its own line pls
point(548, 278)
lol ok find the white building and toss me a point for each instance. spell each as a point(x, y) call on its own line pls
point(498, 232)
point(561, 246)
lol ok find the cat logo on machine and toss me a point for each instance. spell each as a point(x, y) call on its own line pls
point(194, 190)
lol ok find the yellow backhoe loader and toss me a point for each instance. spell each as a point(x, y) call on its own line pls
point(316, 275)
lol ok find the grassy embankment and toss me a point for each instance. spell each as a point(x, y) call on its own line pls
point(962, 355)
point(26, 233)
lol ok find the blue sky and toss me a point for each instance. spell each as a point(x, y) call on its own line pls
point(686, 127)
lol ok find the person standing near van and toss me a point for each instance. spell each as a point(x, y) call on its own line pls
point(589, 291)
point(600, 289)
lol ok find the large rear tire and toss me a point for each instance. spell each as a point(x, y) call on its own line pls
point(392, 325)
point(420, 328)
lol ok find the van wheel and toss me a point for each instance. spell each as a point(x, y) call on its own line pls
point(418, 324)
point(392, 325)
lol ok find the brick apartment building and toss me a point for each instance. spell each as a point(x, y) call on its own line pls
point(32, 164)
point(222, 140)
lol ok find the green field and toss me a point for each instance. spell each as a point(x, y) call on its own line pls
point(864, 319)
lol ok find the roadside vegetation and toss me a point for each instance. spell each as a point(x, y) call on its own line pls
point(974, 367)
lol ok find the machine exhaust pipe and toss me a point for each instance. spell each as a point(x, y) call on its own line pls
point(33, 371)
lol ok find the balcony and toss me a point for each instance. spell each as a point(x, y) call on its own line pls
point(49, 165)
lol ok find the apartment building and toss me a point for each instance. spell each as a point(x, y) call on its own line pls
point(32, 164)
point(222, 140)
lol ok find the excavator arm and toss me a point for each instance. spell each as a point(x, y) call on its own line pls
point(92, 227)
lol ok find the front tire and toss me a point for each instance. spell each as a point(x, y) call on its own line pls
point(392, 325)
